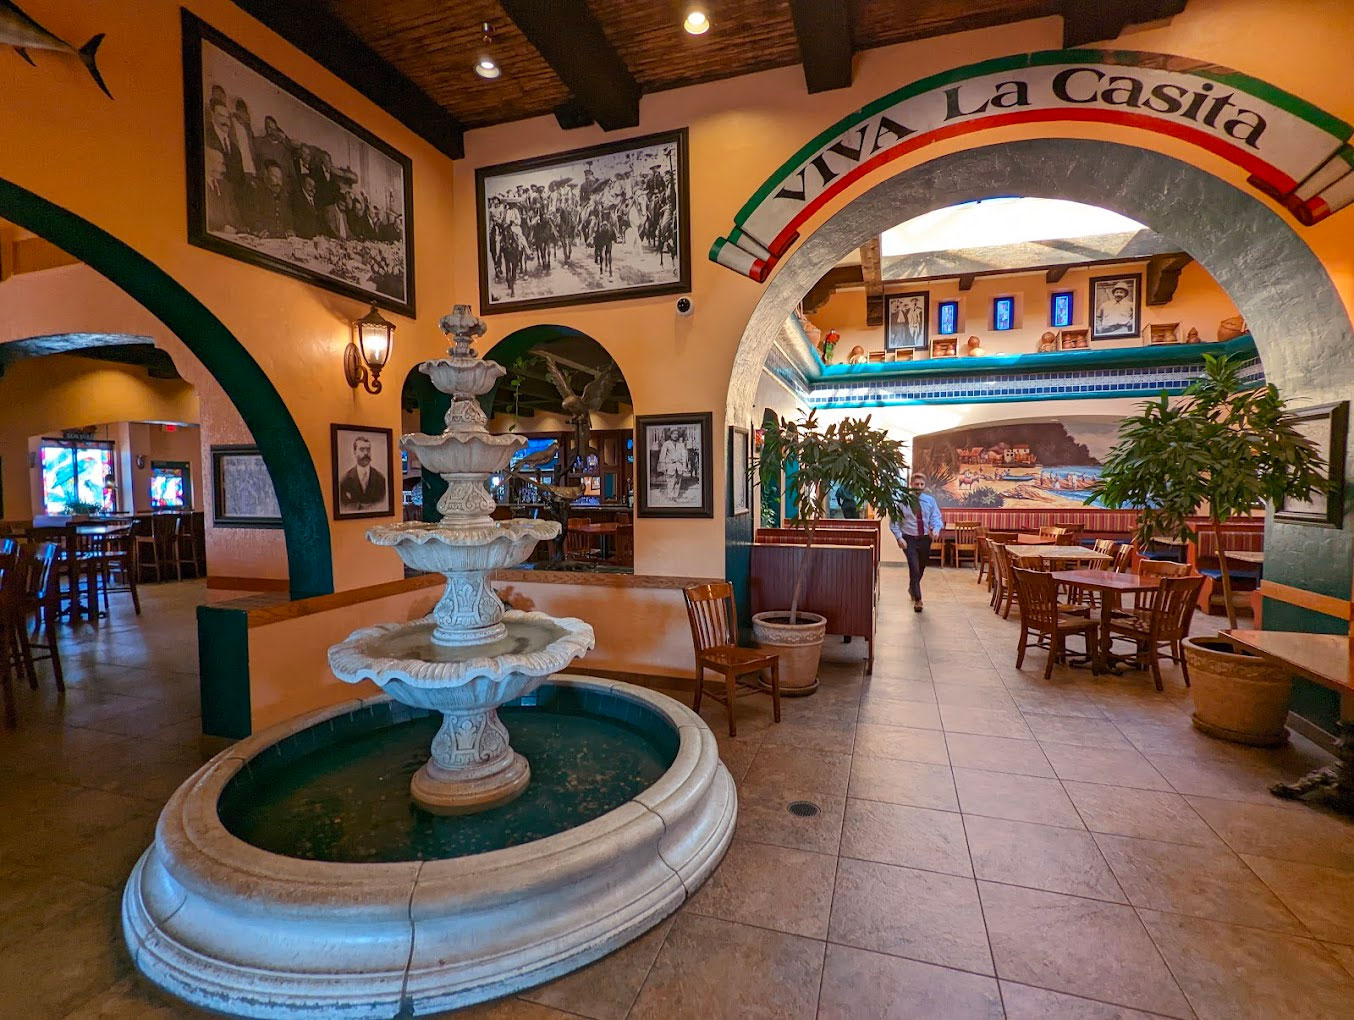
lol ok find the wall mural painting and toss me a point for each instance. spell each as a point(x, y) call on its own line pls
point(279, 179)
point(594, 224)
point(1027, 465)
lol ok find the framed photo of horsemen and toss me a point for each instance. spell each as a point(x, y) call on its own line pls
point(598, 224)
point(674, 462)
point(281, 180)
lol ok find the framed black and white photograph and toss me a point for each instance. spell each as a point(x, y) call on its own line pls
point(1116, 307)
point(907, 321)
point(242, 489)
point(280, 179)
point(363, 480)
point(673, 460)
point(598, 224)
point(1327, 426)
point(740, 480)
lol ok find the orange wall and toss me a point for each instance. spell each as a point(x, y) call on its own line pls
point(740, 132)
point(1198, 302)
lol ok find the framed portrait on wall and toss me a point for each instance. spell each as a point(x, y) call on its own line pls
point(673, 461)
point(907, 323)
point(740, 480)
point(1116, 307)
point(362, 460)
point(242, 489)
point(597, 224)
point(279, 179)
point(1327, 426)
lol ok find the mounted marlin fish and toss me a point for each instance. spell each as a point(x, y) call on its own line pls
point(17, 29)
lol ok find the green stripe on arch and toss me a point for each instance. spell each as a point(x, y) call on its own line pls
point(305, 521)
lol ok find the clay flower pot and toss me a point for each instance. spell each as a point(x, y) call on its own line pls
point(799, 645)
point(1237, 696)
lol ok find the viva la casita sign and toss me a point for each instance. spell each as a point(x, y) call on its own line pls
point(1292, 150)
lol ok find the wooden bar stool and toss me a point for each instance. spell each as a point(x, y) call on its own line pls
point(714, 630)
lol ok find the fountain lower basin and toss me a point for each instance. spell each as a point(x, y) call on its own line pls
point(234, 927)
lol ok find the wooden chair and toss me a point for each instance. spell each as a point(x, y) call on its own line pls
point(1040, 614)
point(714, 631)
point(579, 545)
point(1106, 546)
point(983, 550)
point(119, 569)
point(13, 627)
point(1163, 619)
point(1123, 558)
point(42, 600)
point(184, 547)
point(625, 545)
point(1003, 592)
point(1002, 536)
point(965, 542)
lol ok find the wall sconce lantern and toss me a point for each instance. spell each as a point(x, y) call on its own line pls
point(368, 354)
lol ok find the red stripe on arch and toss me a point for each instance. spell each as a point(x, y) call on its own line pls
point(1252, 164)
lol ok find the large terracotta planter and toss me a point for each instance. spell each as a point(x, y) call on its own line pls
point(799, 645)
point(1237, 696)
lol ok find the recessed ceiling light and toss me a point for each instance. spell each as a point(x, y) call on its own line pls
point(697, 22)
point(486, 68)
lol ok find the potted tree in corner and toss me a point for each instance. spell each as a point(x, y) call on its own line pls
point(848, 454)
point(1226, 450)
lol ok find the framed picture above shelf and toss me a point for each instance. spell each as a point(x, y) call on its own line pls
point(674, 456)
point(242, 489)
point(1327, 426)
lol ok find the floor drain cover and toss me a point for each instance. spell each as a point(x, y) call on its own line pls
point(803, 808)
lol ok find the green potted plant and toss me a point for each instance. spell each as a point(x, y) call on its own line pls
point(1225, 450)
point(848, 454)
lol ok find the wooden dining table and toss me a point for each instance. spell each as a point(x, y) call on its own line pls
point(1112, 585)
point(604, 530)
point(1063, 553)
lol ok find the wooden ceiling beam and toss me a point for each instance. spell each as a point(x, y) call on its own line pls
point(1056, 273)
point(823, 30)
point(1088, 21)
point(1163, 276)
point(820, 292)
point(872, 272)
point(331, 44)
point(570, 39)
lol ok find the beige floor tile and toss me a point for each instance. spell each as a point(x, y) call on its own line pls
point(65, 964)
point(135, 998)
point(605, 990)
point(901, 713)
point(904, 742)
point(1281, 831)
point(1233, 973)
point(1044, 857)
point(1231, 780)
point(1083, 947)
point(903, 782)
point(989, 722)
point(1209, 882)
point(737, 758)
point(833, 734)
point(911, 836)
point(1060, 702)
point(998, 754)
point(1020, 798)
point(991, 698)
point(1064, 729)
point(1344, 954)
point(1322, 898)
point(749, 887)
point(800, 769)
point(920, 915)
point(1146, 814)
point(857, 983)
point(1107, 766)
point(764, 817)
point(710, 969)
point(959, 675)
point(1025, 1003)
point(882, 688)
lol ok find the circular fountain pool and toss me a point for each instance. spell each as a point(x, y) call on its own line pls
point(348, 800)
point(291, 876)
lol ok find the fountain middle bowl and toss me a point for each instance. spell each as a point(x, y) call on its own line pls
point(239, 927)
point(479, 453)
point(446, 548)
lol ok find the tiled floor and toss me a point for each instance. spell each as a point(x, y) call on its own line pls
point(987, 844)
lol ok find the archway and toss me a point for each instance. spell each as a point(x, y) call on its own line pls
point(305, 521)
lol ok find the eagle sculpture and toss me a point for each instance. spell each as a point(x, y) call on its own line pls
point(580, 408)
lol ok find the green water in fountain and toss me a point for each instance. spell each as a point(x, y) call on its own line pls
point(339, 791)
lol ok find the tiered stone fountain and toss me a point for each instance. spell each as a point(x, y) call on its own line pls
point(471, 655)
point(291, 876)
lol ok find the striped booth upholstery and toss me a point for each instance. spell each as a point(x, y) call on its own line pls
point(1095, 523)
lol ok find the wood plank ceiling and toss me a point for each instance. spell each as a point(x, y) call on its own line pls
point(434, 44)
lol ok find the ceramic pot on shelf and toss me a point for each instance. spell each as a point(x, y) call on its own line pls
point(1237, 696)
point(799, 645)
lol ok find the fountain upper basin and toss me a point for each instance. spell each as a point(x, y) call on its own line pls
point(464, 452)
point(463, 377)
point(444, 548)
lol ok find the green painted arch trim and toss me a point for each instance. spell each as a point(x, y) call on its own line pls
point(305, 521)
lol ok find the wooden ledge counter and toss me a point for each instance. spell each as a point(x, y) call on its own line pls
point(263, 657)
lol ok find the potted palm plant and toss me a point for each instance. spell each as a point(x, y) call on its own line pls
point(1226, 449)
point(848, 454)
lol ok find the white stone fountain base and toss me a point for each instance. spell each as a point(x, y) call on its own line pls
point(230, 927)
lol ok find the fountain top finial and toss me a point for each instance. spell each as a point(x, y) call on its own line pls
point(462, 326)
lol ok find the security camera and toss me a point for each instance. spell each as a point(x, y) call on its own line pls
point(685, 306)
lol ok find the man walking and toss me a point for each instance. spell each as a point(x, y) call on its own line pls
point(914, 533)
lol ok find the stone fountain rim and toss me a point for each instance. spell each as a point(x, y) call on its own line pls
point(351, 664)
point(487, 438)
point(201, 902)
point(423, 532)
point(469, 361)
